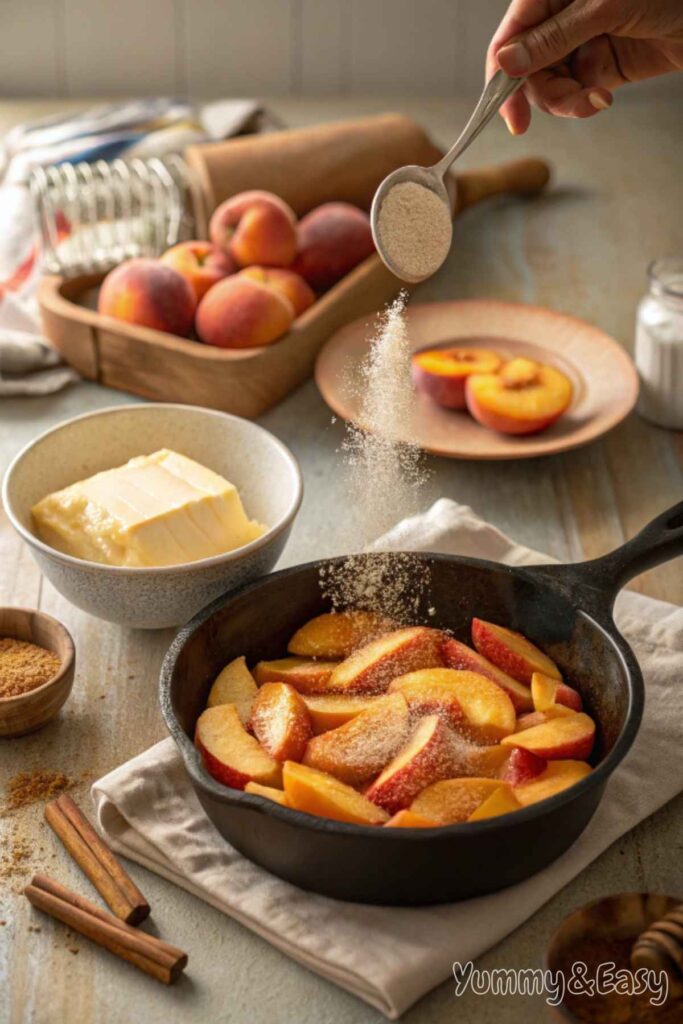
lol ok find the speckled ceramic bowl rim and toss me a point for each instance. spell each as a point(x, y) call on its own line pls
point(7, 703)
point(230, 556)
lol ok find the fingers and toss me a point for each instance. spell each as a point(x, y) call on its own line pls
point(554, 39)
point(516, 113)
point(560, 94)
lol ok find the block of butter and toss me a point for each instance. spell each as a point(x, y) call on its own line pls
point(158, 509)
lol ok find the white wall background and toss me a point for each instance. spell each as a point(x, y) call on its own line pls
point(243, 47)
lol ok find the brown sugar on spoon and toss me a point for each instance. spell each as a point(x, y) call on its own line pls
point(24, 666)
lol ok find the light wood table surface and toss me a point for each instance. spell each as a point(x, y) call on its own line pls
point(583, 248)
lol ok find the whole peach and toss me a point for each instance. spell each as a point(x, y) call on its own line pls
point(289, 284)
point(147, 292)
point(332, 240)
point(255, 227)
point(239, 313)
point(202, 263)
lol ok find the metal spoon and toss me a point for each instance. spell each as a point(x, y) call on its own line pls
point(499, 88)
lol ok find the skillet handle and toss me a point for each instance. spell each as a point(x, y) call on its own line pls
point(595, 584)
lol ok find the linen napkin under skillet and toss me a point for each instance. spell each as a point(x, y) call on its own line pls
point(148, 812)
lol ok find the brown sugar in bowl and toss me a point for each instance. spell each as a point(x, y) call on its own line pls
point(31, 710)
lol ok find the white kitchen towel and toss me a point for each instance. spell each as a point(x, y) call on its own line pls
point(148, 811)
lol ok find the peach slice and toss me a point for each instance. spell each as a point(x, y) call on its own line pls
point(558, 775)
point(460, 656)
point(234, 685)
point(566, 737)
point(281, 722)
point(486, 762)
point(547, 692)
point(524, 397)
point(486, 712)
point(318, 793)
point(408, 819)
point(522, 766)
point(534, 718)
point(430, 692)
point(511, 652)
point(441, 372)
point(453, 800)
point(336, 635)
point(329, 712)
point(358, 750)
point(372, 667)
point(304, 674)
point(426, 758)
point(269, 792)
point(230, 754)
point(501, 801)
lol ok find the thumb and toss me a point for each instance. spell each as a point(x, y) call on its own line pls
point(553, 40)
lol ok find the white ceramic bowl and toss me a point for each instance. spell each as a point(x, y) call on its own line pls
point(264, 471)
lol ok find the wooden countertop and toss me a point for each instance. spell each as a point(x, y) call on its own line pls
point(583, 249)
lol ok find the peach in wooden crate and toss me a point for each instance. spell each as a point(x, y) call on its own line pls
point(316, 792)
point(202, 264)
point(458, 655)
point(304, 674)
point(331, 240)
point(280, 721)
point(453, 800)
point(150, 294)
point(234, 685)
point(336, 635)
point(511, 652)
point(371, 668)
point(524, 397)
point(269, 792)
point(426, 758)
point(284, 281)
point(239, 313)
point(360, 749)
point(556, 777)
point(441, 373)
point(546, 692)
point(501, 801)
point(230, 754)
point(255, 227)
point(330, 711)
point(570, 736)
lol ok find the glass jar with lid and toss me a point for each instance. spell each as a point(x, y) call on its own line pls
point(659, 344)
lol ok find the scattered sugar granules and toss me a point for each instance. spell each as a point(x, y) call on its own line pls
point(385, 480)
point(415, 229)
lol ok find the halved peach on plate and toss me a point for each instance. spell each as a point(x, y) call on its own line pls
point(571, 736)
point(458, 655)
point(304, 674)
point(524, 397)
point(453, 800)
point(234, 685)
point(230, 753)
point(426, 758)
point(546, 692)
point(511, 652)
point(501, 801)
point(372, 667)
point(335, 635)
point(556, 777)
point(281, 721)
point(321, 794)
point(441, 372)
point(360, 749)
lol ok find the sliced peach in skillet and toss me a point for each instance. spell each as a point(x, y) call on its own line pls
point(280, 721)
point(336, 635)
point(546, 692)
point(487, 713)
point(556, 777)
point(329, 711)
point(511, 652)
point(426, 758)
point(501, 801)
point(304, 674)
point(533, 718)
point(571, 736)
point(453, 800)
point(269, 792)
point(230, 753)
point(430, 692)
point(234, 685)
point(362, 747)
point(522, 766)
point(458, 655)
point(371, 668)
point(408, 819)
point(321, 794)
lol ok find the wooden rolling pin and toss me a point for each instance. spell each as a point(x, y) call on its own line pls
point(342, 161)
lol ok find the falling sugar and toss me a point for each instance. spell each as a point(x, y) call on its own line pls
point(386, 478)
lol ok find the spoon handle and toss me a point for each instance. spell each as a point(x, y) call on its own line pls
point(499, 88)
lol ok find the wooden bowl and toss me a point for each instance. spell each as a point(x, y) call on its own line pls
point(621, 916)
point(32, 710)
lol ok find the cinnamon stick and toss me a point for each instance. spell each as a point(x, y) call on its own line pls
point(157, 958)
point(96, 860)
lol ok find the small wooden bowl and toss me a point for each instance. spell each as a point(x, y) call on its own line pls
point(621, 916)
point(31, 710)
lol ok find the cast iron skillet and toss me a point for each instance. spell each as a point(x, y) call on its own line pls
point(566, 609)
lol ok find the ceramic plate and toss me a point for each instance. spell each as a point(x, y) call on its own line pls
point(604, 378)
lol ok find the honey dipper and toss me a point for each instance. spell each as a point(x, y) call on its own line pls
point(660, 947)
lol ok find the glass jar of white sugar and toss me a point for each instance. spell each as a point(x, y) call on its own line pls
point(659, 344)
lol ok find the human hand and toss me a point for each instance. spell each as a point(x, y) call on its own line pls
point(576, 52)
